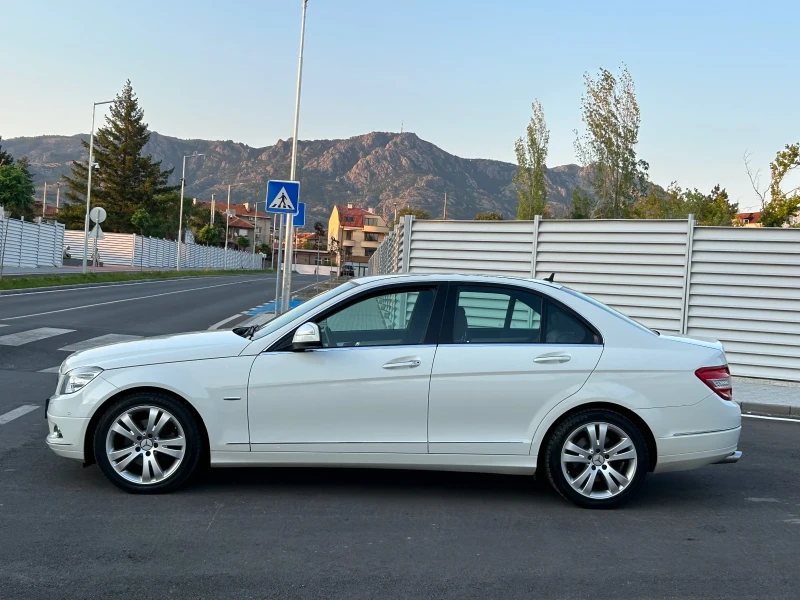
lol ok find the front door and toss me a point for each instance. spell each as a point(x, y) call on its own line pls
point(365, 390)
point(505, 355)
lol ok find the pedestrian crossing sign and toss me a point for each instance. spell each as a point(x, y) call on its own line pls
point(283, 197)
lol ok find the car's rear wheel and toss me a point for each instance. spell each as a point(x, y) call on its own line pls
point(147, 443)
point(596, 458)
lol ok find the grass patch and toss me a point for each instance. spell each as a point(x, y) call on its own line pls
point(38, 281)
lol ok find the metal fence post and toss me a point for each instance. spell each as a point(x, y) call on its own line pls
point(536, 220)
point(687, 275)
point(408, 224)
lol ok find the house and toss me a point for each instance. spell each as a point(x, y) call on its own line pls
point(748, 219)
point(358, 232)
point(244, 221)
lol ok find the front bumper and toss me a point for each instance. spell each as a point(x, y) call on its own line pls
point(66, 435)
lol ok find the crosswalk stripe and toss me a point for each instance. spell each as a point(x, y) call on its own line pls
point(16, 413)
point(51, 370)
point(32, 335)
point(103, 340)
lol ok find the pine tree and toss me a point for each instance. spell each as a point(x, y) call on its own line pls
point(124, 180)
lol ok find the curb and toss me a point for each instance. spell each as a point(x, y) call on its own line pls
point(785, 411)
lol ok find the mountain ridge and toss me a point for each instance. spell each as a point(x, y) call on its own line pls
point(374, 170)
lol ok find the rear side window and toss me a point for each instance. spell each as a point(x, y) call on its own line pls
point(564, 327)
point(500, 315)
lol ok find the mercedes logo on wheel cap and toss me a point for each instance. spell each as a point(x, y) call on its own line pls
point(597, 459)
point(147, 444)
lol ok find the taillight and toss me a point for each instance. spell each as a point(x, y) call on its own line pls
point(718, 379)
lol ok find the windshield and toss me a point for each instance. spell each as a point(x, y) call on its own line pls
point(608, 309)
point(297, 311)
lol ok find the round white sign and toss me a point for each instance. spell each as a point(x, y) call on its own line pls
point(98, 214)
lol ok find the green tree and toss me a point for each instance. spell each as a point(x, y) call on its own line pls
point(530, 178)
point(489, 216)
point(607, 148)
point(141, 221)
point(263, 248)
point(242, 242)
point(581, 204)
point(124, 179)
point(713, 209)
point(5, 157)
point(16, 191)
point(782, 205)
point(208, 235)
point(661, 204)
point(417, 213)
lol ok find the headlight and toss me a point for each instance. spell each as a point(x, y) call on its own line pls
point(78, 378)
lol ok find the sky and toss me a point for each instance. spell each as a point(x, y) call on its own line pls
point(714, 78)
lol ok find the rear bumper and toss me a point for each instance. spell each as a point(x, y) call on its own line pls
point(679, 453)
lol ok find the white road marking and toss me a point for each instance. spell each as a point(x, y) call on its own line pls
point(79, 288)
point(50, 312)
point(32, 335)
point(221, 323)
point(51, 370)
point(16, 413)
point(772, 418)
point(103, 340)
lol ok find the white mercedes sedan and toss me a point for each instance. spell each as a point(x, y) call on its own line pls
point(449, 372)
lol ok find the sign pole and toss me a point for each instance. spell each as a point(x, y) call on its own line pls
point(287, 262)
point(278, 264)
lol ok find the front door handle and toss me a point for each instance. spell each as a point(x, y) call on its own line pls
point(552, 358)
point(406, 364)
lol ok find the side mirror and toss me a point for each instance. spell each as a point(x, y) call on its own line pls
point(306, 337)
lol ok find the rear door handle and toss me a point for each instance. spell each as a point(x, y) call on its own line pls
point(552, 358)
point(406, 364)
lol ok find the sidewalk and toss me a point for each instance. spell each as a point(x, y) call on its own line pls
point(766, 397)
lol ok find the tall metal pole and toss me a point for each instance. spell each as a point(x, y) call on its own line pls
point(89, 189)
point(180, 212)
point(227, 224)
point(278, 266)
point(180, 219)
point(44, 201)
point(58, 194)
point(444, 216)
point(287, 259)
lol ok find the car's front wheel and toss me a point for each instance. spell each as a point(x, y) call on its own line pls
point(147, 442)
point(596, 458)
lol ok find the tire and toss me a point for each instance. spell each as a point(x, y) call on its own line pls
point(148, 428)
point(614, 475)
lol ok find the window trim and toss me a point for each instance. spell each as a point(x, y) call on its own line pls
point(446, 331)
point(432, 332)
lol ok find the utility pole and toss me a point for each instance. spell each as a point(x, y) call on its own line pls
point(180, 214)
point(287, 259)
point(44, 201)
point(89, 188)
point(444, 216)
point(58, 194)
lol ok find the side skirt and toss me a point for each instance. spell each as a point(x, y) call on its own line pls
point(519, 465)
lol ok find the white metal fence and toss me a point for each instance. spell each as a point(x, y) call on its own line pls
point(29, 244)
point(131, 250)
point(740, 285)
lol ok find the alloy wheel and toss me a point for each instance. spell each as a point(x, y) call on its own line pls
point(145, 444)
point(599, 460)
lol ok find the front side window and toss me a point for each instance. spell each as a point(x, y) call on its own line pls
point(391, 319)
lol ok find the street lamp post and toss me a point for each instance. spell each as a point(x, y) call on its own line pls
point(287, 257)
point(89, 188)
point(228, 220)
point(180, 214)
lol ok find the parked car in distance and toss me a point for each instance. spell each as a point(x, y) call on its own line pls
point(447, 372)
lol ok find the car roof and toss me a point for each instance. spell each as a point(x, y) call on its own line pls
point(470, 278)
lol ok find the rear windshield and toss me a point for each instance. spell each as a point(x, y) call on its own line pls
point(608, 309)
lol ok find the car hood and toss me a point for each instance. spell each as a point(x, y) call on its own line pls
point(163, 349)
point(695, 341)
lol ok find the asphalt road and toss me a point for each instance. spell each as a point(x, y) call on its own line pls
point(725, 531)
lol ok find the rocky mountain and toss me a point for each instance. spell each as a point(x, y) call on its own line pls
point(375, 170)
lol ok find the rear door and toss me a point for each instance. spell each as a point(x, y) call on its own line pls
point(504, 353)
